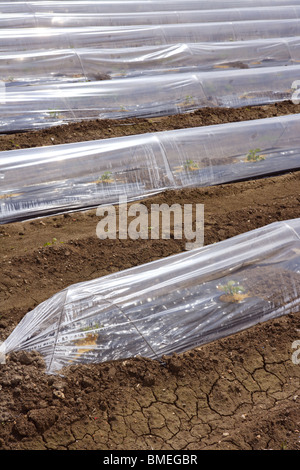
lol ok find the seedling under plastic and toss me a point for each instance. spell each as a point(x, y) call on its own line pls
point(254, 155)
point(106, 177)
point(233, 292)
point(191, 165)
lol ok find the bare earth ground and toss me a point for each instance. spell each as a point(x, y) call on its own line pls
point(106, 128)
point(238, 393)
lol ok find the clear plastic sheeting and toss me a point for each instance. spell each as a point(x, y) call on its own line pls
point(146, 96)
point(171, 305)
point(31, 20)
point(26, 39)
point(111, 6)
point(18, 68)
point(39, 181)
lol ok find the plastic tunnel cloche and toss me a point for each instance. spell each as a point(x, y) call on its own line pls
point(46, 180)
point(170, 305)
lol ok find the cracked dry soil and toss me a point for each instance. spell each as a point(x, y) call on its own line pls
point(238, 393)
point(241, 392)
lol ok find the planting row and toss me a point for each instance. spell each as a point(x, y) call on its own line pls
point(26, 39)
point(130, 6)
point(47, 105)
point(170, 305)
point(41, 181)
point(31, 20)
point(20, 68)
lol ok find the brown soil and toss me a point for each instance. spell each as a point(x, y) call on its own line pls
point(105, 128)
point(238, 393)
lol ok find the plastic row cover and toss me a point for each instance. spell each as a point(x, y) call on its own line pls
point(26, 39)
point(170, 305)
point(92, 64)
point(31, 20)
point(158, 95)
point(111, 6)
point(41, 181)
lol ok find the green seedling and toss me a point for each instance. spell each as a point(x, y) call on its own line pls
point(106, 177)
point(232, 288)
point(254, 155)
point(54, 240)
point(189, 99)
point(96, 326)
point(284, 446)
point(13, 143)
point(54, 114)
point(233, 292)
point(191, 165)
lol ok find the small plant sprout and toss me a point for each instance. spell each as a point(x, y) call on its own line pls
point(254, 155)
point(191, 165)
point(106, 177)
point(86, 344)
point(233, 292)
point(54, 114)
point(231, 288)
point(96, 326)
point(13, 143)
point(189, 99)
point(54, 240)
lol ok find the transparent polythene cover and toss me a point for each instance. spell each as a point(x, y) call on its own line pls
point(117, 18)
point(26, 39)
point(78, 64)
point(41, 106)
point(170, 305)
point(44, 180)
point(111, 6)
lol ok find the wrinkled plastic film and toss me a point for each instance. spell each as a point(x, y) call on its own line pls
point(26, 39)
point(93, 64)
point(135, 5)
point(159, 95)
point(47, 20)
point(171, 305)
point(40, 181)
